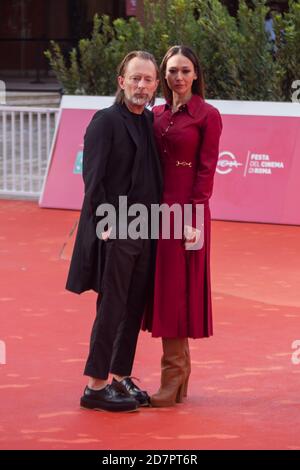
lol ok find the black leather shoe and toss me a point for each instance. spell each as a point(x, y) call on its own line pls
point(109, 398)
point(133, 390)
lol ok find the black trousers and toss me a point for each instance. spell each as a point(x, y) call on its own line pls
point(120, 307)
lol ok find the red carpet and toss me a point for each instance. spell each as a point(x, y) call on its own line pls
point(245, 390)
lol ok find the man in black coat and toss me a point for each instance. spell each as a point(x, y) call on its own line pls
point(119, 159)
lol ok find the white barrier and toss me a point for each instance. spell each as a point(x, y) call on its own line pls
point(25, 141)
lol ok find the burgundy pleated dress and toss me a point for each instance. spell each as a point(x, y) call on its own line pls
point(188, 145)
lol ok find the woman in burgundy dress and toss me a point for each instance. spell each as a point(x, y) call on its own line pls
point(187, 132)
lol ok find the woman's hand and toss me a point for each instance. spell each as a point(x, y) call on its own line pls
point(191, 237)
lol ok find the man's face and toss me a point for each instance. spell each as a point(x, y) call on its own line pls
point(139, 82)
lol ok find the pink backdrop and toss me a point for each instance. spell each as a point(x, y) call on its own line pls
point(64, 187)
point(257, 178)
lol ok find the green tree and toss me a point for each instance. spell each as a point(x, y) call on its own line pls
point(287, 29)
point(235, 53)
point(91, 68)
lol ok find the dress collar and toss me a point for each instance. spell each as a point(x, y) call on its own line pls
point(191, 106)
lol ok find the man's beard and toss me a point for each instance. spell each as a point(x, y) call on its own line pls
point(139, 100)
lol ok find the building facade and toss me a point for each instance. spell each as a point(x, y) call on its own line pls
point(27, 26)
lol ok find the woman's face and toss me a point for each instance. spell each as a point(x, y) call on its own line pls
point(180, 74)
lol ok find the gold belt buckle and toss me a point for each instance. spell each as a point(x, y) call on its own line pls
point(183, 163)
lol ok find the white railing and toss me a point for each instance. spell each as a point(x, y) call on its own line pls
point(25, 140)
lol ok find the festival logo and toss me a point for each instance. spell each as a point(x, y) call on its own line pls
point(226, 163)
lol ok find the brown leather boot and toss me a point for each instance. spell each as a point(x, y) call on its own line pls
point(187, 367)
point(173, 365)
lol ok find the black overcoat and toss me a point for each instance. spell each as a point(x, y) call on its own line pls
point(111, 158)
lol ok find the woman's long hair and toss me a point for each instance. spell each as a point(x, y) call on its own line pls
point(198, 83)
point(122, 69)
